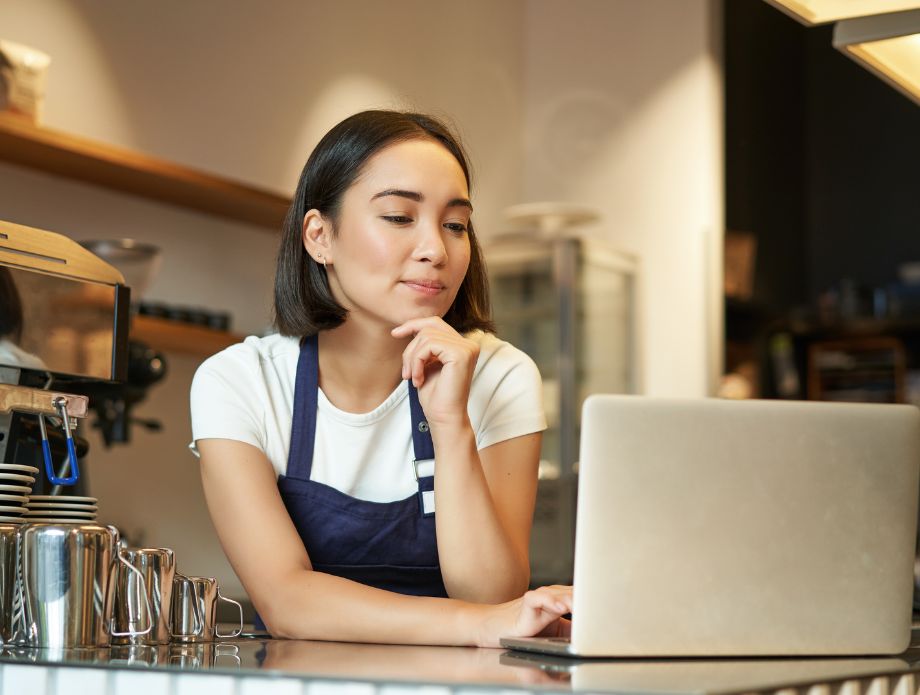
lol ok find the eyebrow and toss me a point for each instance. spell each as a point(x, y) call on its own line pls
point(418, 197)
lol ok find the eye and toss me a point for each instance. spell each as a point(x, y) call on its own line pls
point(397, 219)
point(456, 227)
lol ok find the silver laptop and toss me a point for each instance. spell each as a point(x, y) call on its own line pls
point(742, 528)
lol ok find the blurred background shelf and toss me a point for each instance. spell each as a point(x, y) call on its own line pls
point(864, 369)
point(124, 170)
point(569, 303)
point(174, 336)
point(856, 327)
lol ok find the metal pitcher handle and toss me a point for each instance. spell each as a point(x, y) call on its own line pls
point(25, 631)
point(196, 610)
point(230, 600)
point(140, 578)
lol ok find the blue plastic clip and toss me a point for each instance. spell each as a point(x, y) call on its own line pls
point(61, 404)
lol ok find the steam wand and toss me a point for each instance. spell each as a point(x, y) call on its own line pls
point(60, 404)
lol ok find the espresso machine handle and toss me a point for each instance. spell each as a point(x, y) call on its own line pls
point(60, 403)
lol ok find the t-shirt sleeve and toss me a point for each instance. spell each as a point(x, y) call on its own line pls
point(509, 392)
point(224, 399)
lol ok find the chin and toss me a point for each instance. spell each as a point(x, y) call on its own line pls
point(422, 312)
point(426, 314)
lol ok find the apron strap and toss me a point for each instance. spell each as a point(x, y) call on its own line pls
point(421, 436)
point(424, 453)
point(303, 425)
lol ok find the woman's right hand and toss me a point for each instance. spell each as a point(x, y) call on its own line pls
point(537, 613)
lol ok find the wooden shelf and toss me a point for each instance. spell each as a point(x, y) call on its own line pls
point(123, 170)
point(174, 336)
point(856, 327)
point(874, 368)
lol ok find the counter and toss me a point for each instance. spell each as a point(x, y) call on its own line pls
point(289, 667)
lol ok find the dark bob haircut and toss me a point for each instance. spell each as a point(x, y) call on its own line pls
point(304, 304)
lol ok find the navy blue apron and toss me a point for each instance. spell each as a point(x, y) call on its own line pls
point(388, 545)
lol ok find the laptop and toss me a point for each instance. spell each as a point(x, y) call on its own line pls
point(742, 528)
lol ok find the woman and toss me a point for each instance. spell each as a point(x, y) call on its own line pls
point(316, 444)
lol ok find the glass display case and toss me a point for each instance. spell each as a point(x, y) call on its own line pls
point(569, 303)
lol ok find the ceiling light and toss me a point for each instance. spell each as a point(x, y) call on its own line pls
point(812, 12)
point(887, 45)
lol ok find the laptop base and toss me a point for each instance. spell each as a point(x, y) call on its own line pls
point(557, 646)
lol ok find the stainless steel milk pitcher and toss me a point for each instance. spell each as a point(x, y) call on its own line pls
point(67, 586)
point(157, 566)
point(194, 609)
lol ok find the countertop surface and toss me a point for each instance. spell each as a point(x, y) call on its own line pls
point(477, 668)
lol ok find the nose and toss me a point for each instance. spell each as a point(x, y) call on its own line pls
point(430, 246)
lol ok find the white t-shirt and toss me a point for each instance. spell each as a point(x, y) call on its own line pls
point(246, 393)
point(12, 355)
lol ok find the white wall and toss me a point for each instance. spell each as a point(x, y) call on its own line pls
point(623, 112)
point(245, 89)
point(614, 103)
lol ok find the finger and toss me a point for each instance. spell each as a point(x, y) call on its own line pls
point(558, 587)
point(402, 331)
point(560, 598)
point(564, 596)
point(560, 592)
point(413, 352)
point(416, 346)
point(555, 589)
point(430, 348)
point(407, 355)
point(418, 371)
point(535, 615)
point(415, 325)
point(545, 602)
point(421, 361)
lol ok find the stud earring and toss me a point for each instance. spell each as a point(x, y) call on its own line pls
point(321, 259)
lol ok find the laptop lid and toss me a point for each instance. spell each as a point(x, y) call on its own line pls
point(711, 527)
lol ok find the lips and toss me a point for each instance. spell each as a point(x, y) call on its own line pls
point(423, 285)
point(433, 284)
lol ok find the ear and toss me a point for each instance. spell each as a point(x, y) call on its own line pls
point(317, 236)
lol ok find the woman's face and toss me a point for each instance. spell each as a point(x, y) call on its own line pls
point(401, 248)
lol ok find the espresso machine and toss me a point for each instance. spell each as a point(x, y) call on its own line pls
point(68, 582)
point(64, 351)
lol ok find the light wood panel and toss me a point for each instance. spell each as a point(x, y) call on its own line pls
point(53, 254)
point(174, 336)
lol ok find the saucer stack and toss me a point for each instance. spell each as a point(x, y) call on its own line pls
point(15, 486)
point(60, 509)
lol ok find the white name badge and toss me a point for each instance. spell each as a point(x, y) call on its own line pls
point(428, 501)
